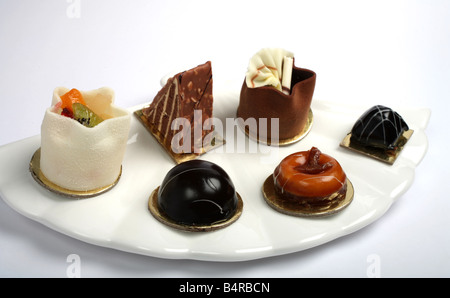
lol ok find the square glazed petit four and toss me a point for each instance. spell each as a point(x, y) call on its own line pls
point(380, 133)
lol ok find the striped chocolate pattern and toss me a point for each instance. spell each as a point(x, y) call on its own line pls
point(182, 95)
point(379, 127)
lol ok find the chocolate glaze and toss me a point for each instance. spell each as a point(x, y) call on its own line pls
point(183, 93)
point(379, 127)
point(291, 110)
point(197, 192)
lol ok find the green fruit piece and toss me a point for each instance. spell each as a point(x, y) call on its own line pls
point(84, 115)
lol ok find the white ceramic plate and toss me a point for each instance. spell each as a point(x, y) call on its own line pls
point(120, 218)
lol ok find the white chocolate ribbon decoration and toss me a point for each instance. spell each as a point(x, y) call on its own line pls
point(270, 67)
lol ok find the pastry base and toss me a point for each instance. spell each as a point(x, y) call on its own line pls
point(283, 142)
point(160, 216)
point(281, 205)
point(178, 157)
point(387, 156)
point(35, 169)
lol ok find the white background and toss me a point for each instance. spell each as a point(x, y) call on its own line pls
point(393, 52)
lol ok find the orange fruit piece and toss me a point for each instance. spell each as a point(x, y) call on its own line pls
point(70, 98)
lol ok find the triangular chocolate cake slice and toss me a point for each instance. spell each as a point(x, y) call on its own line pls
point(186, 96)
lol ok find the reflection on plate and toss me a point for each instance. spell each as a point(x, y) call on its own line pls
point(120, 218)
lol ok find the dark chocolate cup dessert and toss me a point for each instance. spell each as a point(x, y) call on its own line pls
point(267, 102)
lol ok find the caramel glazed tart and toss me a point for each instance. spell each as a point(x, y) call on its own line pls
point(161, 216)
point(326, 206)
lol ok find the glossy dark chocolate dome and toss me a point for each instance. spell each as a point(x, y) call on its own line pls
point(197, 192)
point(379, 127)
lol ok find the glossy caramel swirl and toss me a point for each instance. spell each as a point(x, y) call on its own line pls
point(309, 176)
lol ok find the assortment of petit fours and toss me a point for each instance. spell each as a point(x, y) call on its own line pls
point(84, 136)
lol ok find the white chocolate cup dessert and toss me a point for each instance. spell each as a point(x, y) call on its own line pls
point(80, 158)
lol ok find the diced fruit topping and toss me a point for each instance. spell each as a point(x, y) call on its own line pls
point(313, 165)
point(85, 116)
point(70, 98)
point(73, 106)
point(66, 112)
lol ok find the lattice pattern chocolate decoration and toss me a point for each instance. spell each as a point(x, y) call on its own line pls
point(380, 133)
